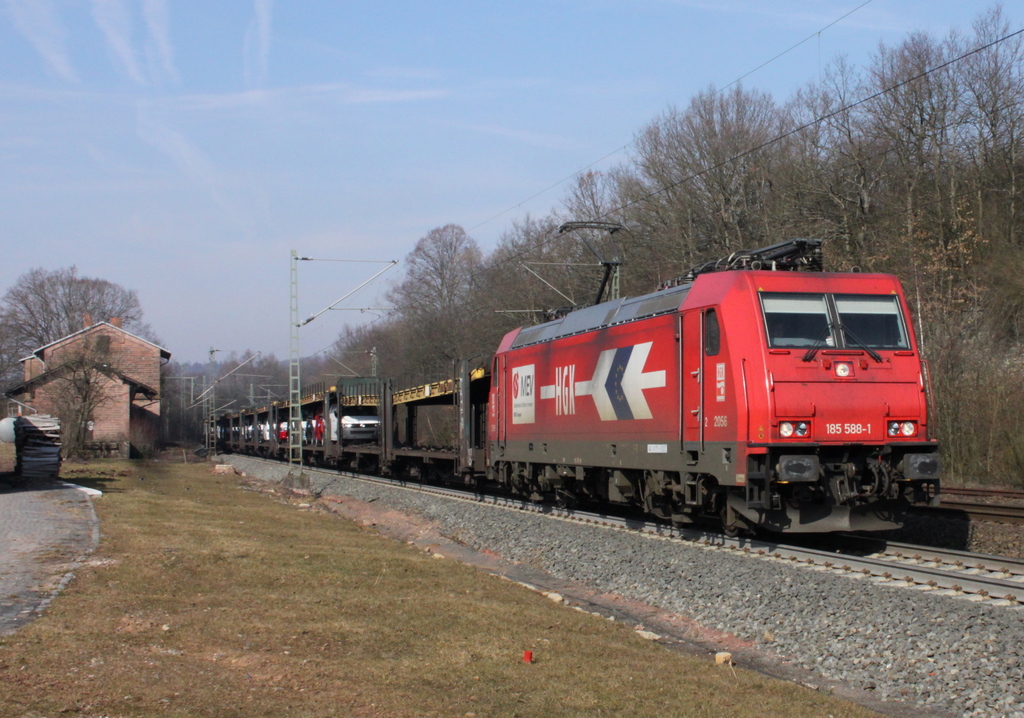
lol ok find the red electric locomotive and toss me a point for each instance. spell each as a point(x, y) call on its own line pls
point(793, 401)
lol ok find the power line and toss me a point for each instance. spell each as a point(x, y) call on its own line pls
point(740, 155)
point(615, 152)
point(793, 47)
point(629, 144)
point(351, 333)
point(812, 123)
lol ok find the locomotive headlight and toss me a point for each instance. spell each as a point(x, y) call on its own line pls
point(786, 429)
point(843, 369)
point(802, 428)
point(902, 428)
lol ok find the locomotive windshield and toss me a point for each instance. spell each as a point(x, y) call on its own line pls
point(796, 320)
point(869, 321)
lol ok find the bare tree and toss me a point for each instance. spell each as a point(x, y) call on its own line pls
point(10, 368)
point(45, 305)
point(85, 381)
point(912, 164)
point(434, 298)
point(701, 183)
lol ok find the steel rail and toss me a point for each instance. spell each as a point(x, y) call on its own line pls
point(906, 566)
point(979, 492)
point(998, 513)
point(958, 560)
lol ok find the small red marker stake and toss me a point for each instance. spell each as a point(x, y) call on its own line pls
point(527, 656)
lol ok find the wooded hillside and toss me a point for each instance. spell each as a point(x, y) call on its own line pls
point(912, 165)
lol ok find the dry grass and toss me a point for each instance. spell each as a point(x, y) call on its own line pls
point(205, 600)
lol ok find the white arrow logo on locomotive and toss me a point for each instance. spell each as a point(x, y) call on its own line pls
point(618, 383)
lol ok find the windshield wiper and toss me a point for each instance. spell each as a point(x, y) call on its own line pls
point(812, 352)
point(859, 343)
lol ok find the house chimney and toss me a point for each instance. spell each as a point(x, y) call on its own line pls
point(116, 321)
point(86, 321)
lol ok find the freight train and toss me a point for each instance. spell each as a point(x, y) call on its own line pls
point(757, 391)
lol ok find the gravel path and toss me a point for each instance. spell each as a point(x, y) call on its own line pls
point(943, 653)
point(45, 528)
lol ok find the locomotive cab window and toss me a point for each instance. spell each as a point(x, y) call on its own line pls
point(712, 335)
point(796, 320)
point(871, 321)
point(841, 320)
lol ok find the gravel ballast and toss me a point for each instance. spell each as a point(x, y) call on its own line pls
point(939, 652)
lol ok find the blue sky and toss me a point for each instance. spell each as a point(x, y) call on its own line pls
point(182, 148)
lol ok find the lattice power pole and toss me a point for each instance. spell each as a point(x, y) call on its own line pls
point(209, 407)
point(294, 380)
point(294, 376)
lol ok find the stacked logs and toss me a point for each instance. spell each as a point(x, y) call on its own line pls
point(37, 439)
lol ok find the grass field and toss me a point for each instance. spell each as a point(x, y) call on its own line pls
point(207, 600)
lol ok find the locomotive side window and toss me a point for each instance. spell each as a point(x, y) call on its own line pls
point(712, 335)
point(872, 321)
point(796, 320)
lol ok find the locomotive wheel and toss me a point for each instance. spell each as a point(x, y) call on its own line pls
point(730, 530)
point(732, 524)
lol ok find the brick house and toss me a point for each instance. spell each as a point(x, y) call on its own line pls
point(122, 374)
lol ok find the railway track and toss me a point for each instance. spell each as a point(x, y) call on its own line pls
point(1005, 569)
point(999, 513)
point(996, 580)
point(989, 505)
point(983, 493)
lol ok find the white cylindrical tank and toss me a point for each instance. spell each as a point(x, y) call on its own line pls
point(7, 430)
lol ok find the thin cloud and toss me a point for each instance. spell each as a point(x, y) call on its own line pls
point(405, 73)
point(158, 23)
point(340, 93)
point(365, 97)
point(535, 139)
point(116, 24)
point(186, 156)
point(38, 21)
point(256, 52)
point(617, 90)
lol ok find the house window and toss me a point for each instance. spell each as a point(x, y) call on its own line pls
point(103, 344)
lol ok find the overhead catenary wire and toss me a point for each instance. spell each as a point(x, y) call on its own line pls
point(632, 142)
point(795, 46)
point(812, 123)
point(767, 143)
point(869, 157)
point(617, 151)
point(390, 263)
point(517, 256)
point(197, 399)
